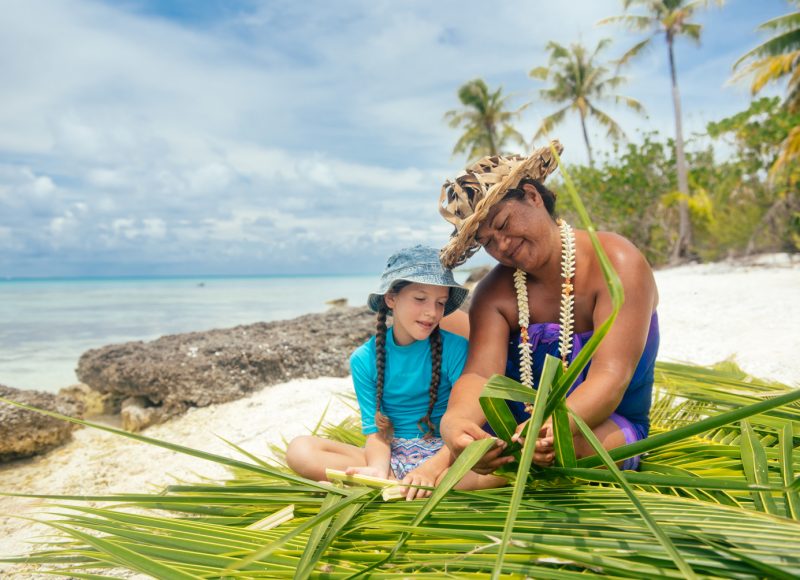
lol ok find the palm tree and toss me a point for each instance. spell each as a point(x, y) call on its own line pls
point(773, 60)
point(669, 18)
point(579, 81)
point(486, 122)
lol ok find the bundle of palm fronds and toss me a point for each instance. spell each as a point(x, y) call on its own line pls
point(716, 497)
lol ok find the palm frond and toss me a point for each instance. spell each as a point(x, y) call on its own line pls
point(695, 487)
point(631, 22)
point(777, 46)
point(613, 128)
point(634, 51)
point(550, 121)
point(577, 79)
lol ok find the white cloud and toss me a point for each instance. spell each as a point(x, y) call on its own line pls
point(293, 133)
point(21, 183)
point(146, 229)
point(106, 178)
point(63, 230)
point(154, 228)
point(211, 178)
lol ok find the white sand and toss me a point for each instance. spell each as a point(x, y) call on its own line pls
point(707, 313)
point(751, 313)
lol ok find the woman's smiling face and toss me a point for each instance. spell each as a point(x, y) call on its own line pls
point(416, 310)
point(515, 229)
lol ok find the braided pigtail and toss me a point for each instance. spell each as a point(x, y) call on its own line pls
point(425, 424)
point(381, 421)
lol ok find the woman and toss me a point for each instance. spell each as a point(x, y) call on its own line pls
point(546, 295)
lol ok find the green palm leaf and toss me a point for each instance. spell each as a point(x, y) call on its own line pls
point(792, 497)
point(562, 437)
point(485, 120)
point(754, 461)
point(662, 537)
point(551, 364)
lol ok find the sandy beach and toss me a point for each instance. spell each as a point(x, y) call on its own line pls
point(708, 313)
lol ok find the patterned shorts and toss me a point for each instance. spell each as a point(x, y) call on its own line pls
point(408, 454)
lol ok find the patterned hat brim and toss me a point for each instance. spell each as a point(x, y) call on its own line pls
point(420, 273)
point(462, 245)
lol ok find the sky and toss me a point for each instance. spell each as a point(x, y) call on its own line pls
point(246, 137)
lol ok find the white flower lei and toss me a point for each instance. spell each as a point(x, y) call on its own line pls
point(567, 314)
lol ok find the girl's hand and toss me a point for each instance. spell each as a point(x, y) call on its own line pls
point(544, 454)
point(370, 471)
point(422, 475)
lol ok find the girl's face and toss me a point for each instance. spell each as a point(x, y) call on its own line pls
point(417, 309)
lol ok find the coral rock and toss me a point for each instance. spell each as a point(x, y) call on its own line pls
point(174, 373)
point(25, 433)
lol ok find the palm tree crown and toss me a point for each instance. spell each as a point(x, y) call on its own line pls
point(577, 80)
point(485, 119)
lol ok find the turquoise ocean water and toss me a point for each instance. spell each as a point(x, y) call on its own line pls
point(45, 325)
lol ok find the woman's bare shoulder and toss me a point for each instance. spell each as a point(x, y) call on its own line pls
point(629, 262)
point(620, 250)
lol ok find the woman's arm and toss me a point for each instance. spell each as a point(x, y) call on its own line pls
point(615, 361)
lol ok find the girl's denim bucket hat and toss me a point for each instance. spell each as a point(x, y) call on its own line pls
point(419, 264)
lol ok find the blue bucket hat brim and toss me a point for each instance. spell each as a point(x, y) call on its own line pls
point(419, 265)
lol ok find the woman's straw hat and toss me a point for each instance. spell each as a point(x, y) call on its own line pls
point(465, 202)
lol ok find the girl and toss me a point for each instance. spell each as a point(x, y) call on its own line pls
point(402, 378)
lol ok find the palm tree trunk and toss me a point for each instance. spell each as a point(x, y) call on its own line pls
point(681, 248)
point(492, 141)
point(586, 140)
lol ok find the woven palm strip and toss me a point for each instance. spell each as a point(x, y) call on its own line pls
point(465, 202)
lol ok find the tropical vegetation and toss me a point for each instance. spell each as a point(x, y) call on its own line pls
point(731, 190)
point(669, 19)
point(718, 492)
point(776, 59)
point(578, 80)
point(736, 207)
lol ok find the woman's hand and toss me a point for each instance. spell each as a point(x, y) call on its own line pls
point(459, 432)
point(369, 471)
point(544, 453)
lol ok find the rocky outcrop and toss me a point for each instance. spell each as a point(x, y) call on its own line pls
point(136, 413)
point(165, 377)
point(81, 395)
point(25, 433)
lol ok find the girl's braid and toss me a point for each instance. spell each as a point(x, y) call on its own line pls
point(381, 421)
point(425, 424)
